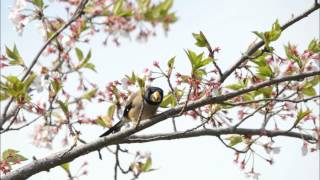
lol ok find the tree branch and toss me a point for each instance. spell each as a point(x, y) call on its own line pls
point(75, 16)
point(215, 132)
point(120, 137)
point(253, 49)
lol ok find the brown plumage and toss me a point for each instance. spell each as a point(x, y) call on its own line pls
point(149, 101)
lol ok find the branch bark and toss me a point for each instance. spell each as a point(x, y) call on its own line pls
point(121, 137)
point(214, 132)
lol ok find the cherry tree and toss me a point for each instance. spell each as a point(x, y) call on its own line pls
point(280, 91)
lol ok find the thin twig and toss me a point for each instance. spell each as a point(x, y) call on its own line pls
point(253, 49)
point(75, 16)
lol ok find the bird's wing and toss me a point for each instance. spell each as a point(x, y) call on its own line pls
point(113, 129)
point(119, 124)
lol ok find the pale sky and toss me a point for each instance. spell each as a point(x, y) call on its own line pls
point(227, 24)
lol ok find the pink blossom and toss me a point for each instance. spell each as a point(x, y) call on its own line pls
point(304, 149)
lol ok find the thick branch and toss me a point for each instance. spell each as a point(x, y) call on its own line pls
point(68, 155)
point(215, 132)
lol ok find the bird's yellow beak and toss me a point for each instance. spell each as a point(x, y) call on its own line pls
point(155, 97)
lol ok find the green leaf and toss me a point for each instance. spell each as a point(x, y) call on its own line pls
point(166, 100)
point(292, 54)
point(314, 46)
point(147, 165)
point(118, 7)
point(141, 83)
point(265, 71)
point(309, 91)
point(271, 35)
point(111, 110)
point(206, 62)
point(90, 66)
point(275, 31)
point(86, 60)
point(29, 81)
point(85, 63)
point(259, 34)
point(171, 62)
point(234, 140)
point(64, 108)
point(260, 61)
point(302, 114)
point(3, 96)
point(79, 54)
point(66, 167)
point(12, 156)
point(248, 97)
point(201, 40)
point(56, 85)
point(8, 153)
point(104, 121)
point(14, 54)
point(235, 87)
point(192, 58)
point(88, 95)
point(38, 3)
point(266, 91)
point(199, 73)
point(315, 81)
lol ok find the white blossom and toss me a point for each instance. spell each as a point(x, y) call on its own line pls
point(125, 83)
point(42, 31)
point(19, 20)
point(37, 84)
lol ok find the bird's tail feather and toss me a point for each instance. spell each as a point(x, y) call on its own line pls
point(113, 129)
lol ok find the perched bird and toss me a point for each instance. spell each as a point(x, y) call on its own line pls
point(148, 102)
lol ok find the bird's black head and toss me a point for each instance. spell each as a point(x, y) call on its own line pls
point(153, 95)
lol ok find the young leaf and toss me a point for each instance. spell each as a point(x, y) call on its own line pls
point(66, 167)
point(235, 86)
point(314, 46)
point(3, 96)
point(111, 110)
point(166, 100)
point(88, 95)
point(79, 54)
point(234, 139)
point(201, 40)
point(118, 7)
point(64, 108)
point(301, 114)
point(147, 165)
point(309, 91)
point(265, 71)
point(38, 3)
point(56, 85)
point(29, 81)
point(171, 62)
point(104, 121)
point(14, 56)
point(13, 156)
point(141, 83)
point(291, 53)
point(259, 34)
point(275, 31)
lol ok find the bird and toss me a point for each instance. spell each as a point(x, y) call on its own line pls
point(147, 102)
